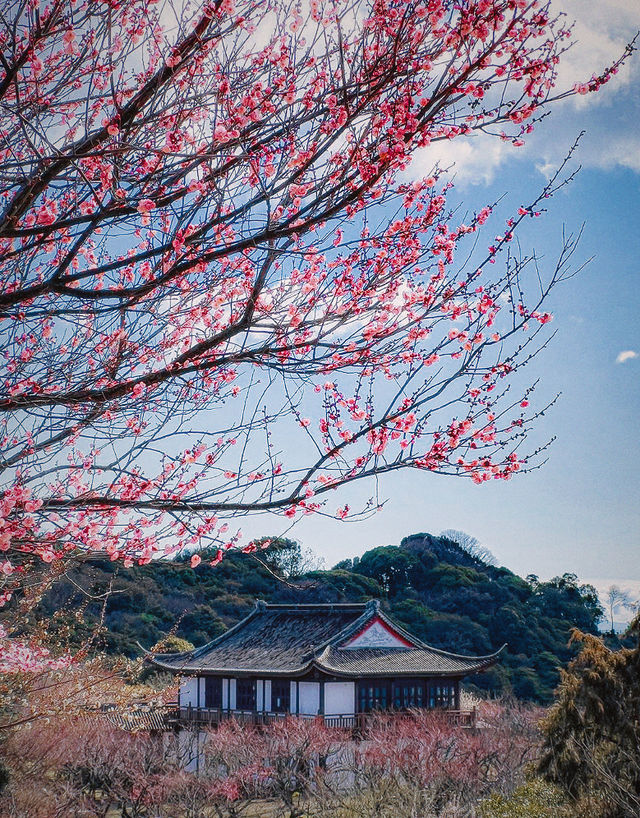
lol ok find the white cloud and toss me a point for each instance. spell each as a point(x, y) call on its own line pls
point(473, 160)
point(602, 30)
point(626, 355)
point(622, 150)
point(602, 585)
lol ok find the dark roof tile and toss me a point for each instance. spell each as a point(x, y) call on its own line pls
point(400, 662)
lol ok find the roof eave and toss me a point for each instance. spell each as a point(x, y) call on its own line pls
point(411, 673)
point(187, 670)
point(318, 664)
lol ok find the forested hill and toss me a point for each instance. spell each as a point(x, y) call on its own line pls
point(444, 594)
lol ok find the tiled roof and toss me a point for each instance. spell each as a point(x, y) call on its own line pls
point(130, 719)
point(399, 662)
point(289, 640)
point(278, 638)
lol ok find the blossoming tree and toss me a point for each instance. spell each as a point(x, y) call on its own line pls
point(221, 292)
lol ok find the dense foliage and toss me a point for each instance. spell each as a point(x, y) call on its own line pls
point(592, 734)
point(431, 585)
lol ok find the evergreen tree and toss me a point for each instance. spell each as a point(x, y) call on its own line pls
point(592, 734)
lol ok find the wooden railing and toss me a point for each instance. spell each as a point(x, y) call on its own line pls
point(208, 716)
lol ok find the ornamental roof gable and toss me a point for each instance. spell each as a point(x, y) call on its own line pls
point(378, 634)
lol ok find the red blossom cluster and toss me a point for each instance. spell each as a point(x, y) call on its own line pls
point(24, 656)
point(203, 316)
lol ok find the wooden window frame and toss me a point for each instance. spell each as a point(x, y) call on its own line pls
point(409, 693)
point(246, 694)
point(374, 695)
point(213, 692)
point(442, 694)
point(280, 690)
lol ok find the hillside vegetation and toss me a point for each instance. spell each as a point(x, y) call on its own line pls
point(444, 594)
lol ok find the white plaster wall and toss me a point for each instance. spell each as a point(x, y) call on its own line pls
point(202, 696)
point(259, 699)
point(267, 694)
point(225, 694)
point(309, 698)
point(293, 703)
point(339, 698)
point(189, 692)
point(232, 694)
point(190, 744)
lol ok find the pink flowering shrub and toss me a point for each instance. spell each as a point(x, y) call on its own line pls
point(444, 763)
point(414, 766)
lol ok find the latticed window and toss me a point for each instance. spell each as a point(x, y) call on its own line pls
point(373, 694)
point(409, 693)
point(245, 694)
point(212, 692)
point(280, 696)
point(442, 695)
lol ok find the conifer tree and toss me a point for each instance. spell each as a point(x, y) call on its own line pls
point(592, 734)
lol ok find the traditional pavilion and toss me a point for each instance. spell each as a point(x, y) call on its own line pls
point(335, 661)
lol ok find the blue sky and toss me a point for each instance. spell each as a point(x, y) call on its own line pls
point(581, 511)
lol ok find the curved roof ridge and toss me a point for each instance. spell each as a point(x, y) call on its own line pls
point(451, 655)
point(420, 644)
point(371, 662)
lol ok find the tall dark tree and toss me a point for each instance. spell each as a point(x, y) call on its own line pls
point(592, 735)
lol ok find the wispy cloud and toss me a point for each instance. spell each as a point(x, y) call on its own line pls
point(602, 29)
point(626, 355)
